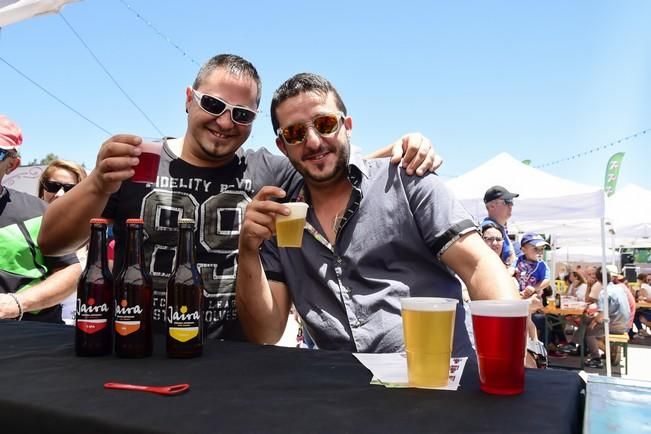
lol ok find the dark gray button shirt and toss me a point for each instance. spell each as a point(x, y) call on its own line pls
point(394, 230)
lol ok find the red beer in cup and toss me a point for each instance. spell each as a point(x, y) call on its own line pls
point(147, 168)
point(500, 329)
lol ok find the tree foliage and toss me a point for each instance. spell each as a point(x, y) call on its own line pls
point(44, 161)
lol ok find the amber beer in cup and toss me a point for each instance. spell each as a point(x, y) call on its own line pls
point(500, 328)
point(147, 168)
point(428, 326)
point(289, 228)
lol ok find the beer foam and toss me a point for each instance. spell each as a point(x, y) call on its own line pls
point(298, 210)
point(429, 304)
point(506, 308)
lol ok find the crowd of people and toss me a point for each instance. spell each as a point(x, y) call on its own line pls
point(379, 227)
point(532, 277)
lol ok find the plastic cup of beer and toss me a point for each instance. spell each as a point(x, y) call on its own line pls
point(147, 169)
point(428, 326)
point(551, 302)
point(289, 228)
point(500, 328)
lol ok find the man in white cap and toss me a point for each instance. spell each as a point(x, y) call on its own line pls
point(499, 205)
point(31, 285)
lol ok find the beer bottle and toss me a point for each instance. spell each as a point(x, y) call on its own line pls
point(133, 298)
point(94, 316)
point(185, 299)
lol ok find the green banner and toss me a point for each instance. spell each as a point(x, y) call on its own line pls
point(612, 173)
point(643, 256)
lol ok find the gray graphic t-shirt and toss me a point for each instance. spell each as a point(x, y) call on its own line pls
point(216, 200)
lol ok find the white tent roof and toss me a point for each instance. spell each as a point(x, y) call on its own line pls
point(12, 11)
point(589, 253)
point(629, 211)
point(546, 202)
point(628, 221)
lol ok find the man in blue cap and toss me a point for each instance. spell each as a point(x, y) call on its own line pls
point(531, 272)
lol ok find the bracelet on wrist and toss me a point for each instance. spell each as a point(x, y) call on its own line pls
point(20, 307)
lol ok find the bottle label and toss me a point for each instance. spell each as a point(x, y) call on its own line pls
point(183, 325)
point(91, 317)
point(127, 318)
point(91, 326)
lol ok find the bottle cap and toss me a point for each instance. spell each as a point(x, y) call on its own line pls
point(98, 221)
point(135, 221)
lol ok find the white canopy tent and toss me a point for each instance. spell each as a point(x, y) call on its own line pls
point(629, 211)
point(12, 11)
point(628, 222)
point(546, 201)
point(547, 204)
point(590, 253)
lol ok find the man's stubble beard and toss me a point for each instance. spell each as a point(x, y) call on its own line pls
point(340, 169)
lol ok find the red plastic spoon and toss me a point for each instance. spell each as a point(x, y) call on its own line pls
point(161, 390)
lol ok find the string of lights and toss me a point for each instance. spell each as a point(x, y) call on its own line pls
point(598, 148)
point(159, 33)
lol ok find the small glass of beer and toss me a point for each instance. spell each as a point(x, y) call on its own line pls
point(500, 328)
point(289, 228)
point(147, 169)
point(428, 326)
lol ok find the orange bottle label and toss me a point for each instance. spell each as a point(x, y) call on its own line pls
point(124, 328)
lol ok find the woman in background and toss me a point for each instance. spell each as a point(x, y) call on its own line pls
point(56, 180)
point(492, 236)
point(578, 285)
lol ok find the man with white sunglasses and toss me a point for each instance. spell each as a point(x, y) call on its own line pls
point(374, 234)
point(204, 175)
point(31, 285)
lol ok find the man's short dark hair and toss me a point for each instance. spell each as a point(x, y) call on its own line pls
point(235, 65)
point(303, 83)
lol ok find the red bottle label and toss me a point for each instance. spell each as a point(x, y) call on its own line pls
point(92, 325)
point(92, 317)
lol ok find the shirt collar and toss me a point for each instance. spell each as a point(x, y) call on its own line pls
point(356, 166)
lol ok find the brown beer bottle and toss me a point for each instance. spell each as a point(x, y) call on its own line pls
point(94, 316)
point(133, 298)
point(185, 299)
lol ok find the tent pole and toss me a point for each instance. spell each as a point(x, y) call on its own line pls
point(612, 247)
point(604, 281)
point(553, 261)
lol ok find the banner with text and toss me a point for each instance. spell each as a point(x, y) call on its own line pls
point(612, 173)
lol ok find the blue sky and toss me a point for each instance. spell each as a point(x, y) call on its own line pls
point(540, 80)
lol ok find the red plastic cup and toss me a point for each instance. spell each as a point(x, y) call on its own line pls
point(500, 329)
point(147, 169)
